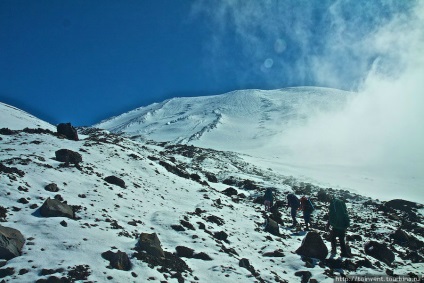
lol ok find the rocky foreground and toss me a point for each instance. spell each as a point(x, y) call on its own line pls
point(100, 207)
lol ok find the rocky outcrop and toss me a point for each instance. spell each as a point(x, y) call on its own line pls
point(118, 260)
point(313, 246)
point(68, 156)
point(379, 251)
point(150, 243)
point(11, 242)
point(56, 208)
point(67, 130)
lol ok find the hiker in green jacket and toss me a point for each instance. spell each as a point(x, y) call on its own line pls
point(339, 220)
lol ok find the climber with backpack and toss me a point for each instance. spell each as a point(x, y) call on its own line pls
point(293, 202)
point(307, 207)
point(338, 219)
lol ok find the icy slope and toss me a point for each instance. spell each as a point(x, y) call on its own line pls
point(243, 119)
point(16, 119)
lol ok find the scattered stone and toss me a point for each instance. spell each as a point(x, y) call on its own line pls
point(379, 251)
point(54, 279)
point(67, 130)
point(178, 228)
point(313, 246)
point(3, 214)
point(68, 156)
point(56, 208)
point(115, 181)
point(79, 272)
point(52, 188)
point(11, 243)
point(118, 260)
point(402, 205)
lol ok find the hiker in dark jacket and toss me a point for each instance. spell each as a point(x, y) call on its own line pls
point(293, 202)
point(339, 220)
point(268, 199)
point(307, 207)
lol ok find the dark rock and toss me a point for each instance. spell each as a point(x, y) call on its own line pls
point(272, 227)
point(379, 251)
point(215, 219)
point(11, 170)
point(178, 228)
point(63, 223)
point(3, 214)
point(323, 196)
point(118, 260)
point(169, 262)
point(402, 205)
point(54, 279)
point(211, 178)
point(184, 252)
point(6, 272)
point(115, 181)
point(11, 243)
point(276, 253)
point(151, 244)
point(52, 188)
point(221, 235)
point(313, 246)
point(230, 192)
point(68, 131)
point(305, 275)
point(79, 272)
point(7, 132)
point(68, 156)
point(55, 208)
point(175, 170)
point(415, 257)
point(244, 262)
point(400, 237)
point(187, 225)
point(202, 256)
point(23, 200)
point(23, 271)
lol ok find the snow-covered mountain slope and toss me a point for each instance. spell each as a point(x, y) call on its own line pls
point(244, 119)
point(16, 119)
point(320, 135)
point(203, 204)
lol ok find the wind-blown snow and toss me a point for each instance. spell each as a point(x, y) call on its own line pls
point(322, 135)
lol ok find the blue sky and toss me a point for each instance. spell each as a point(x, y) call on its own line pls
point(84, 61)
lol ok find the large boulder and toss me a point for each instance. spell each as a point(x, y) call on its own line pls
point(68, 156)
point(313, 246)
point(11, 243)
point(67, 130)
point(56, 208)
point(150, 243)
point(379, 251)
point(115, 181)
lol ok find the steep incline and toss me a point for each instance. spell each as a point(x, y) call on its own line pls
point(16, 119)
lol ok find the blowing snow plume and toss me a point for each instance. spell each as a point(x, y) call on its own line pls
point(374, 48)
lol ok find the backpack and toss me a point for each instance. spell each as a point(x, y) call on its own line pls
point(338, 216)
point(307, 205)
